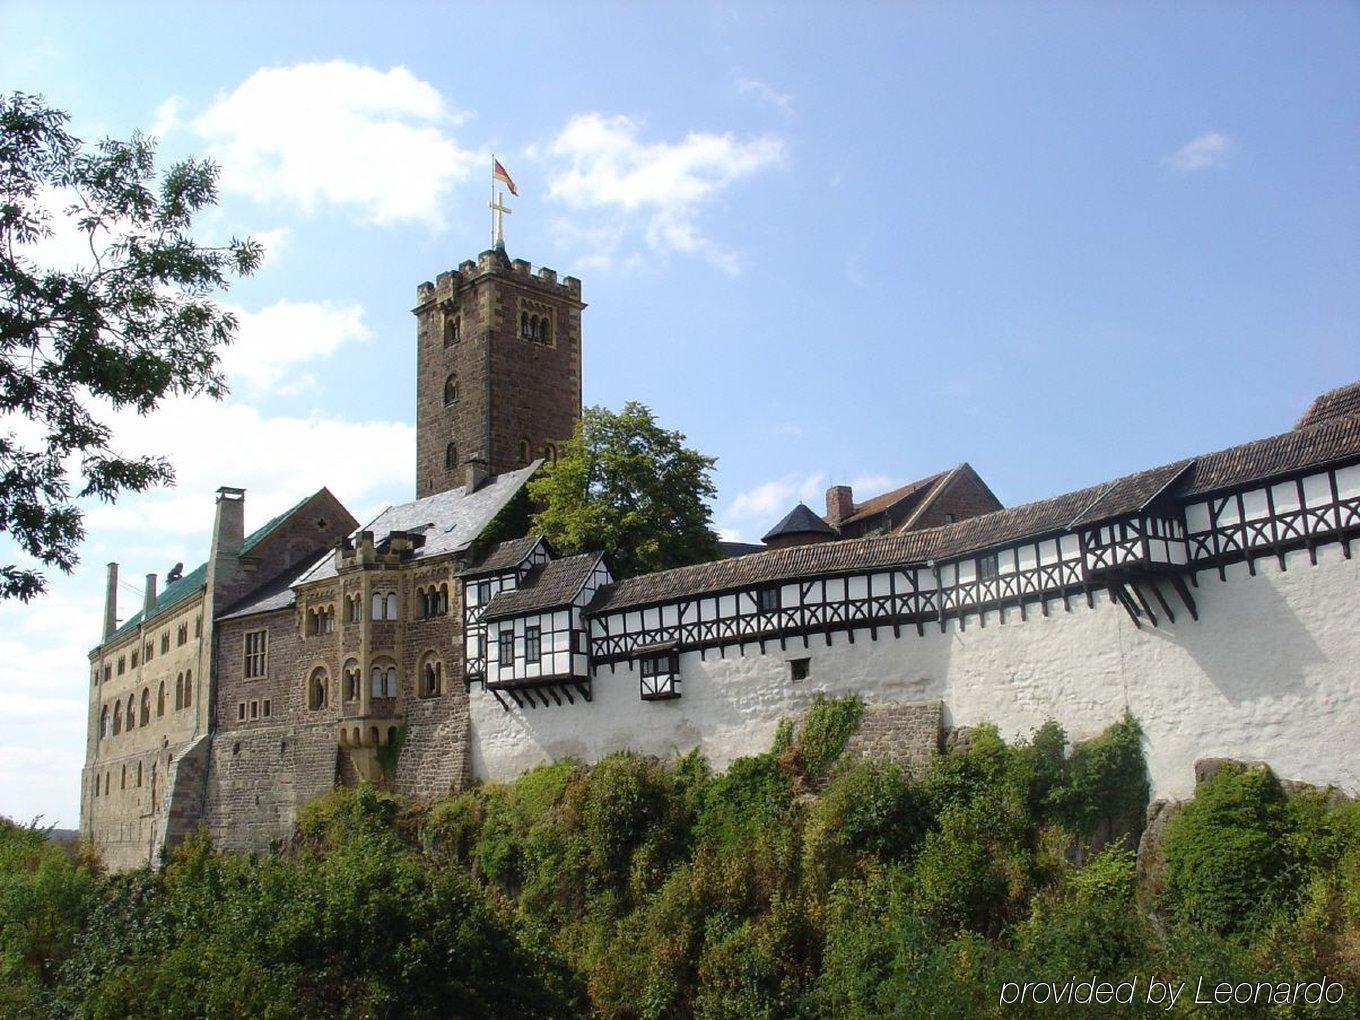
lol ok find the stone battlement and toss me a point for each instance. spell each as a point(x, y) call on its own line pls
point(495, 262)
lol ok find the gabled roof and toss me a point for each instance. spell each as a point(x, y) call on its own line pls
point(194, 580)
point(800, 521)
point(503, 556)
point(275, 594)
point(450, 521)
point(911, 492)
point(1337, 403)
point(551, 586)
point(1332, 440)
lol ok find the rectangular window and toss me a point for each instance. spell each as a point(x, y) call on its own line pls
point(108, 673)
point(255, 655)
point(533, 644)
point(507, 647)
point(121, 665)
point(165, 642)
point(267, 706)
point(241, 711)
point(134, 660)
point(254, 709)
point(768, 599)
point(799, 669)
point(483, 593)
point(987, 566)
point(579, 640)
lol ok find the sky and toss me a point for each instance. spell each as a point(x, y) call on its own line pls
point(852, 243)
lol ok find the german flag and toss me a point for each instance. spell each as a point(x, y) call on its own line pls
point(498, 173)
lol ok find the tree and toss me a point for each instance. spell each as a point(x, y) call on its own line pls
point(626, 485)
point(123, 329)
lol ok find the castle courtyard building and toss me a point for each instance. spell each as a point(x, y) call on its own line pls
point(441, 644)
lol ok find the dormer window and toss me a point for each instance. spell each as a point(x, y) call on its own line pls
point(451, 390)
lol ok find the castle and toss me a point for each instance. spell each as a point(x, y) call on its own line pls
point(440, 644)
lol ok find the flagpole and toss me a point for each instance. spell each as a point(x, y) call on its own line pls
point(493, 200)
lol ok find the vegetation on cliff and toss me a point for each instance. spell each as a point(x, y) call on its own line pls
point(796, 883)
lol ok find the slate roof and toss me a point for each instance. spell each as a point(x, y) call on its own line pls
point(450, 521)
point(1330, 440)
point(503, 556)
point(1342, 401)
point(549, 586)
point(739, 548)
point(274, 595)
point(800, 521)
point(193, 581)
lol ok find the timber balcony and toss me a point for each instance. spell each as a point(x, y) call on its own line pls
point(1135, 556)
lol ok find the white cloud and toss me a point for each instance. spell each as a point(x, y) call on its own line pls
point(1209, 149)
point(602, 163)
point(339, 133)
point(273, 342)
point(168, 117)
point(753, 511)
point(276, 459)
point(781, 101)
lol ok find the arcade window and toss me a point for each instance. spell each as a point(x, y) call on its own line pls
point(255, 653)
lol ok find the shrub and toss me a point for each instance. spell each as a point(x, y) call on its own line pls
point(1225, 852)
point(821, 739)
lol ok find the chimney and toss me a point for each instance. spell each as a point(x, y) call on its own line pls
point(111, 602)
point(840, 504)
point(149, 598)
point(229, 530)
point(475, 473)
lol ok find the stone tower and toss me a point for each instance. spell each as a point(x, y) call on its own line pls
point(498, 369)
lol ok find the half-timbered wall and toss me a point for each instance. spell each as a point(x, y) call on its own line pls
point(563, 648)
point(477, 594)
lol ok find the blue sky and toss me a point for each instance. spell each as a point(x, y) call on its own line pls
point(855, 243)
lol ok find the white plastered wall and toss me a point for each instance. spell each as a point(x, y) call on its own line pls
point(1270, 672)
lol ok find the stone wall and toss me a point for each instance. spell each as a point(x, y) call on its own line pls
point(907, 733)
point(1267, 673)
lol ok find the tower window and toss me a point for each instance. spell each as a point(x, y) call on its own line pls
point(524, 325)
point(450, 457)
point(550, 453)
point(453, 330)
point(524, 451)
point(451, 390)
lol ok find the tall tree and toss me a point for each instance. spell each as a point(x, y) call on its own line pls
point(624, 484)
point(126, 326)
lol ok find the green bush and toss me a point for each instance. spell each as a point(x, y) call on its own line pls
point(639, 888)
point(1225, 852)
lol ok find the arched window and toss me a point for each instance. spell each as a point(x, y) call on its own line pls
point(431, 676)
point(188, 687)
point(122, 783)
point(378, 603)
point(317, 689)
point(146, 705)
point(450, 457)
point(117, 718)
point(451, 390)
point(104, 722)
point(131, 712)
point(524, 451)
point(452, 330)
point(139, 774)
point(524, 324)
point(544, 336)
point(391, 686)
point(160, 700)
point(391, 605)
point(443, 599)
point(352, 675)
point(550, 453)
point(179, 692)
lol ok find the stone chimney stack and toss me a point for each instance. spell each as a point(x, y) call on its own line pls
point(840, 504)
point(111, 602)
point(149, 597)
point(229, 530)
point(475, 473)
